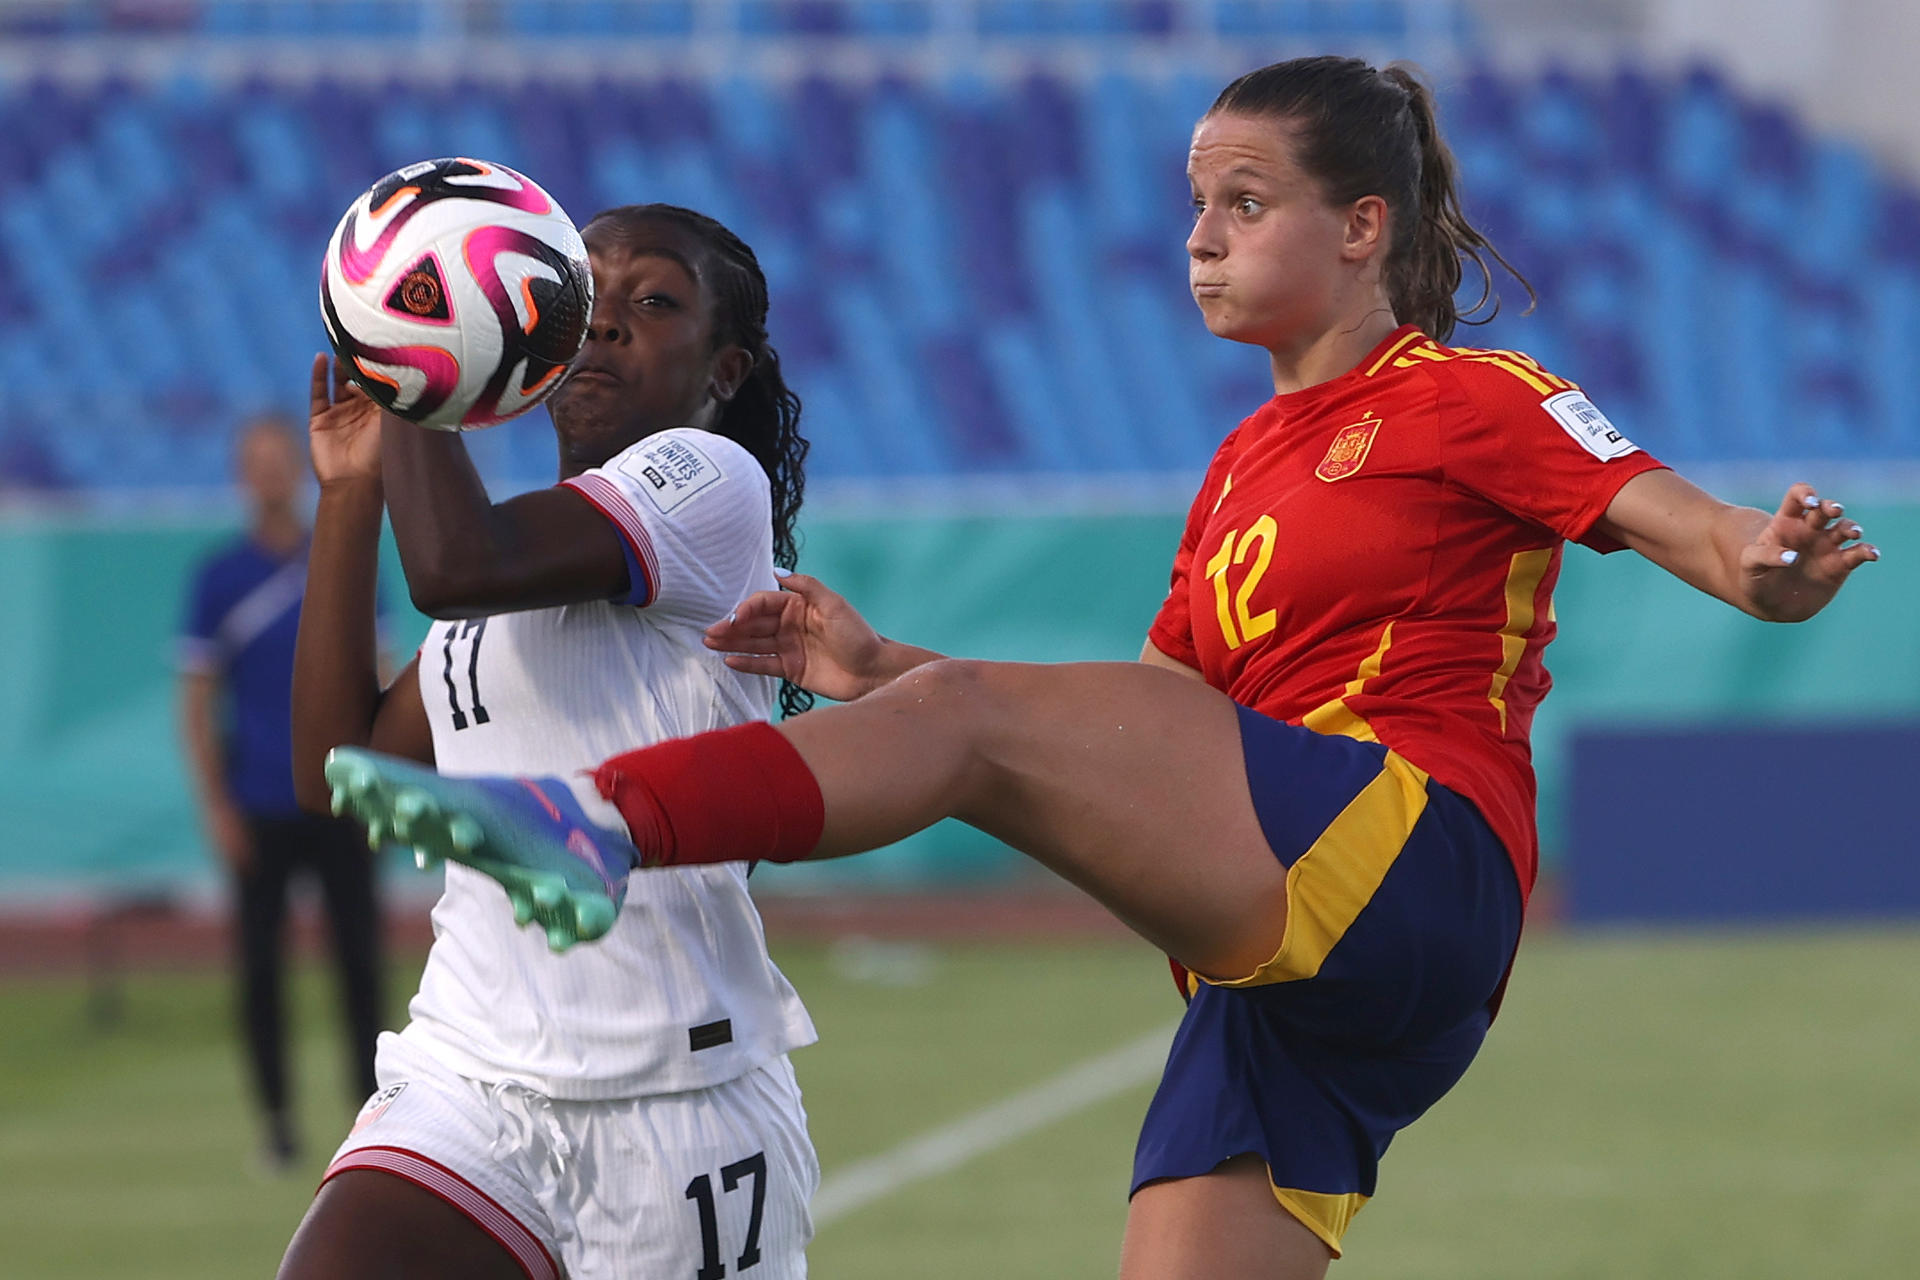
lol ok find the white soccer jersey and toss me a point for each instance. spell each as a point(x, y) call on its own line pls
point(681, 994)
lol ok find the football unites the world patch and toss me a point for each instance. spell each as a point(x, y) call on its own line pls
point(1589, 427)
point(1348, 452)
point(671, 469)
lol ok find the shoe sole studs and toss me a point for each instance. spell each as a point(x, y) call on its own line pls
point(411, 815)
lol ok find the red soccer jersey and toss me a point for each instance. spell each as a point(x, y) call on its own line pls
point(1375, 556)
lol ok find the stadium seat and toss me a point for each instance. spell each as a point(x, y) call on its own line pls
point(972, 272)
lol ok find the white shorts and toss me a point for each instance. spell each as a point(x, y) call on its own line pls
point(670, 1186)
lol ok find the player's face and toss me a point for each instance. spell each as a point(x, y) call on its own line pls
point(650, 360)
point(270, 466)
point(1265, 258)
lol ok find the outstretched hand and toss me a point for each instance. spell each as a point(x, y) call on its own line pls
point(1802, 556)
point(805, 633)
point(343, 426)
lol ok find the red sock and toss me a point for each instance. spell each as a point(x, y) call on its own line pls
point(734, 795)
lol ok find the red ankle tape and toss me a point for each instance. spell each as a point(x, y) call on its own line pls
point(734, 795)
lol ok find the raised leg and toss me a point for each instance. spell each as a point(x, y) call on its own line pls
point(1225, 1223)
point(1124, 779)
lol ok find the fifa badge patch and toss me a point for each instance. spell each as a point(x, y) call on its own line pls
point(1348, 452)
point(1588, 426)
point(670, 469)
point(377, 1106)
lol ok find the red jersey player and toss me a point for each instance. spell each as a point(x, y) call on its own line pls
point(1375, 556)
point(1313, 791)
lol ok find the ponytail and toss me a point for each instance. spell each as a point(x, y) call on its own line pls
point(1364, 132)
point(1423, 281)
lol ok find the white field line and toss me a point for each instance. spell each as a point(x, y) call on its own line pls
point(950, 1146)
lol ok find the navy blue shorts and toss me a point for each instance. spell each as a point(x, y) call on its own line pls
point(1403, 912)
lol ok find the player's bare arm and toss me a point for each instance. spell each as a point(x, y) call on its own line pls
point(338, 699)
point(1783, 567)
point(808, 634)
point(466, 556)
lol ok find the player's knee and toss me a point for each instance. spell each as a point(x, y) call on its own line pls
point(959, 689)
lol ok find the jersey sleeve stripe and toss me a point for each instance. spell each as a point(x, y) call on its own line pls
point(1553, 379)
point(1386, 357)
point(614, 506)
point(1500, 362)
point(482, 1209)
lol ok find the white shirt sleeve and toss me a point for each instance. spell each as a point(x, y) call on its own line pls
point(695, 514)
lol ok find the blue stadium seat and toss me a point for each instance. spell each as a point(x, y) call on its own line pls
point(916, 245)
point(793, 17)
point(1036, 401)
point(896, 430)
point(971, 272)
point(890, 17)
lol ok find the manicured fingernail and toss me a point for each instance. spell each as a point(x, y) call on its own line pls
point(1788, 557)
point(1811, 500)
point(778, 572)
point(1839, 508)
point(1858, 532)
point(1874, 554)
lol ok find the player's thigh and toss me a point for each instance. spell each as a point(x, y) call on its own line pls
point(369, 1225)
point(1224, 1223)
point(1130, 781)
point(483, 1153)
point(707, 1182)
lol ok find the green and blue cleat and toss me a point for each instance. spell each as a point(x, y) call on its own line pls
point(560, 869)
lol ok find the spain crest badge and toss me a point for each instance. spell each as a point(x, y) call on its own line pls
point(1349, 449)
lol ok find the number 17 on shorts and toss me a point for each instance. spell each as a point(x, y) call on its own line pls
point(752, 1171)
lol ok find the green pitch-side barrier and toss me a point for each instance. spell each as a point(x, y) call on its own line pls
point(93, 793)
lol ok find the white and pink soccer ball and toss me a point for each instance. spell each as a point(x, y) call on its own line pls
point(456, 292)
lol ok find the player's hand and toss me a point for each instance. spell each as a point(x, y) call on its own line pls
point(1802, 556)
point(231, 837)
point(343, 426)
point(806, 633)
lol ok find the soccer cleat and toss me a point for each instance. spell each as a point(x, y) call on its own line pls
point(560, 869)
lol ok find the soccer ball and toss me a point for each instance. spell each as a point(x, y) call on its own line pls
point(456, 292)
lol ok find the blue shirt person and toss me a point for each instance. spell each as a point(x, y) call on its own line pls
point(236, 674)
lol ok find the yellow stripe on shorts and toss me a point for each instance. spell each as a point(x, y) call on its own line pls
point(1329, 884)
point(1327, 1216)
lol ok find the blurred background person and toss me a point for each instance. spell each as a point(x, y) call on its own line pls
point(236, 673)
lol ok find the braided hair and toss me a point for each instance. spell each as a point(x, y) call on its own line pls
point(764, 415)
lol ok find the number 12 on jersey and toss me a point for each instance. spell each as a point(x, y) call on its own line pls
point(1237, 625)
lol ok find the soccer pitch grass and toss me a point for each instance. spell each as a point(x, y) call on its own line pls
point(1650, 1106)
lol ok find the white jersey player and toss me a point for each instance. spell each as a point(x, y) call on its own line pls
point(625, 1109)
